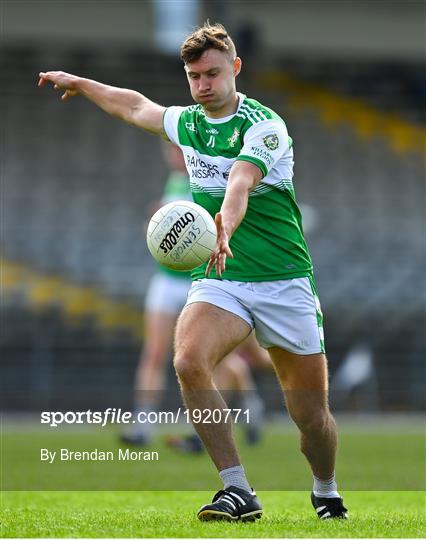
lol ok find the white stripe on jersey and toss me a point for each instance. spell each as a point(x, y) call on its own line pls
point(258, 114)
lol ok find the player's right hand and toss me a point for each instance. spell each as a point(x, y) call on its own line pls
point(60, 81)
point(221, 251)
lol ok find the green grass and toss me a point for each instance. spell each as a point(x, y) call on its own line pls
point(369, 459)
point(172, 514)
point(381, 472)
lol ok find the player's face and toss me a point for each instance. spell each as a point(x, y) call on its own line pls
point(212, 80)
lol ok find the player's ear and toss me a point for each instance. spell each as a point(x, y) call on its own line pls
point(237, 66)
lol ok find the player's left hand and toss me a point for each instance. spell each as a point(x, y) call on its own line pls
point(222, 249)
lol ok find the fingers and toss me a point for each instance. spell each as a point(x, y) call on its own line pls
point(58, 84)
point(222, 250)
point(66, 94)
point(220, 264)
point(228, 251)
point(43, 78)
point(223, 246)
point(48, 75)
point(218, 261)
point(210, 265)
point(60, 81)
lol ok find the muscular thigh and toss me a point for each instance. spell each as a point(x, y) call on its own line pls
point(304, 379)
point(208, 332)
point(300, 372)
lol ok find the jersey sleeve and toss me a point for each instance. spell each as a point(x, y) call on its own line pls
point(264, 144)
point(170, 122)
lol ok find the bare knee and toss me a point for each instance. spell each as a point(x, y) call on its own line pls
point(313, 423)
point(190, 370)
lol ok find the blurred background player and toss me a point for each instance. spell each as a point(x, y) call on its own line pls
point(165, 298)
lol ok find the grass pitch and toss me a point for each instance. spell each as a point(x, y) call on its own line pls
point(172, 514)
point(375, 457)
point(372, 457)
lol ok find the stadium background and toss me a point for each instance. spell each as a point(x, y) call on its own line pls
point(348, 78)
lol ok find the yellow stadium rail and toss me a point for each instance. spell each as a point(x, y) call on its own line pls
point(42, 291)
point(334, 109)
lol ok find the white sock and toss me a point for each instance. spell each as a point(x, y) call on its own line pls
point(235, 476)
point(325, 488)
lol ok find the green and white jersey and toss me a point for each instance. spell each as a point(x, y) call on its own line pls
point(269, 243)
point(176, 189)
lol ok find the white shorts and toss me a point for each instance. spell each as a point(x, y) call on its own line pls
point(166, 294)
point(285, 313)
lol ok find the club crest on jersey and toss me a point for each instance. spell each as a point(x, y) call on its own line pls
point(234, 138)
point(271, 141)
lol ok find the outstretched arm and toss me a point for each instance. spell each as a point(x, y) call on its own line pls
point(244, 177)
point(127, 105)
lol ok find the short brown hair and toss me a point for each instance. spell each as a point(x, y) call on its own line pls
point(207, 37)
